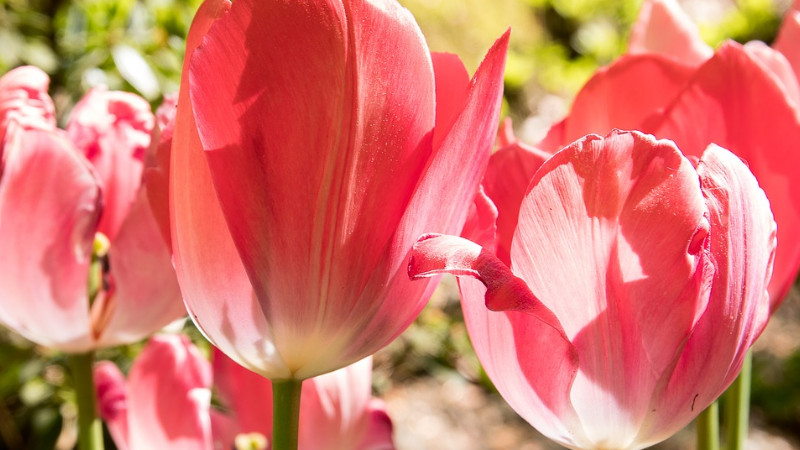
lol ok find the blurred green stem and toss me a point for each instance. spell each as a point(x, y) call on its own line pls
point(285, 413)
point(90, 429)
point(737, 406)
point(707, 425)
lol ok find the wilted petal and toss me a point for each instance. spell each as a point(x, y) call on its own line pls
point(735, 102)
point(49, 205)
point(113, 130)
point(742, 238)
point(624, 215)
point(169, 396)
point(663, 28)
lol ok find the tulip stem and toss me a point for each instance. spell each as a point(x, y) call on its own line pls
point(90, 429)
point(285, 413)
point(737, 406)
point(707, 424)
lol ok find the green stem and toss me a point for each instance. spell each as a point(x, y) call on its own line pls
point(707, 425)
point(90, 429)
point(737, 406)
point(285, 413)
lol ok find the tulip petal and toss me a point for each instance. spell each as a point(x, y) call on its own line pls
point(213, 281)
point(507, 177)
point(533, 368)
point(624, 215)
point(452, 85)
point(286, 125)
point(787, 39)
point(113, 130)
point(623, 96)
point(743, 239)
point(144, 295)
point(23, 98)
point(169, 396)
point(156, 173)
point(112, 401)
point(435, 254)
point(49, 205)
point(334, 412)
point(735, 102)
point(663, 28)
point(441, 203)
point(778, 65)
point(246, 394)
point(379, 429)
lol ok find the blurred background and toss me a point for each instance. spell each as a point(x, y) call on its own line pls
point(438, 396)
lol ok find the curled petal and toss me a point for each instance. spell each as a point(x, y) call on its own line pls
point(434, 254)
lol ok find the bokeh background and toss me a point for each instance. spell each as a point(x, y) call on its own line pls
point(438, 396)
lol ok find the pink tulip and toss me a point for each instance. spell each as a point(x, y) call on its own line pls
point(166, 403)
point(166, 400)
point(635, 285)
point(743, 98)
point(314, 141)
point(61, 193)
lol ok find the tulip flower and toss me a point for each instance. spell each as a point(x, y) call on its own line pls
point(73, 213)
point(635, 285)
point(744, 98)
point(166, 403)
point(314, 141)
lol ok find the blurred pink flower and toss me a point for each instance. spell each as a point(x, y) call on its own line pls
point(314, 141)
point(166, 403)
point(744, 98)
point(633, 287)
point(59, 192)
